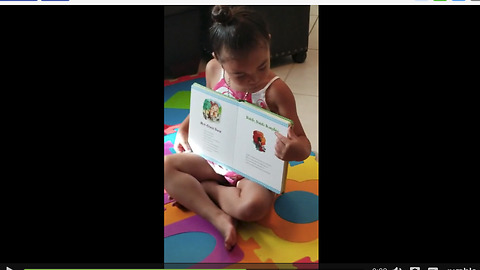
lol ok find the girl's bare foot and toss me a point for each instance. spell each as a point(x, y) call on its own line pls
point(225, 224)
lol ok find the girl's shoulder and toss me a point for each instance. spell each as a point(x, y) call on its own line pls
point(213, 72)
point(277, 94)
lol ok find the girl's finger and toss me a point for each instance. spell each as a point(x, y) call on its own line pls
point(281, 138)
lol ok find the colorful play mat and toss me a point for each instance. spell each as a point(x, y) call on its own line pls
point(287, 238)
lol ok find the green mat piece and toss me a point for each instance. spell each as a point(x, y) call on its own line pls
point(181, 100)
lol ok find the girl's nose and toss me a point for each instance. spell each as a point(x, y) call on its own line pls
point(253, 80)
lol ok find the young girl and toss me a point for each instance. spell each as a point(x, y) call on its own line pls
point(240, 69)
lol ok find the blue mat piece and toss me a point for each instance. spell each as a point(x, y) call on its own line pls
point(169, 91)
point(170, 137)
point(297, 207)
point(189, 247)
point(295, 163)
point(174, 116)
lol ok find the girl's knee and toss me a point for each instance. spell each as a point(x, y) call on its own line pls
point(254, 210)
point(169, 165)
point(171, 161)
point(192, 165)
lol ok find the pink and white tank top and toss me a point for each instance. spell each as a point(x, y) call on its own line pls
point(257, 98)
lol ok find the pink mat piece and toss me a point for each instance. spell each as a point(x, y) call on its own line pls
point(220, 256)
point(166, 148)
point(167, 129)
point(306, 263)
point(165, 199)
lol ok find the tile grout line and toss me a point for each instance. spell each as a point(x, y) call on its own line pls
point(313, 26)
point(289, 70)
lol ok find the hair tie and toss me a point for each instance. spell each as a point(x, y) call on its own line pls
point(221, 14)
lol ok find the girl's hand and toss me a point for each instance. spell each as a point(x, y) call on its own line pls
point(288, 148)
point(181, 142)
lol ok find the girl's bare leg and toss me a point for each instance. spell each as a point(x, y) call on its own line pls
point(183, 173)
point(248, 201)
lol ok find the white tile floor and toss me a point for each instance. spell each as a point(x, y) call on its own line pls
point(303, 81)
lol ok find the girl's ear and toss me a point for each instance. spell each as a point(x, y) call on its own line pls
point(213, 55)
point(269, 36)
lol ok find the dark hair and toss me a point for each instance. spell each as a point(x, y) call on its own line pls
point(237, 29)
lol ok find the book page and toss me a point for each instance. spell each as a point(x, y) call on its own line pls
point(213, 120)
point(255, 149)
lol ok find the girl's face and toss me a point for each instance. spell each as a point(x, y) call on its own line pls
point(247, 72)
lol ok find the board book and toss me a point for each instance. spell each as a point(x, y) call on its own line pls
point(237, 135)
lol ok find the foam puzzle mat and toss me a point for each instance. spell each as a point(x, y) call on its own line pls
point(287, 238)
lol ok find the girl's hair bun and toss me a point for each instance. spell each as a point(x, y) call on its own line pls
point(221, 14)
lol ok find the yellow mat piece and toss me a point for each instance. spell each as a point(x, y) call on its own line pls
point(274, 248)
point(305, 171)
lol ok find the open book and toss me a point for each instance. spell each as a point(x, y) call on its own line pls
point(238, 136)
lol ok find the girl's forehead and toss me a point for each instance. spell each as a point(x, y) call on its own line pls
point(259, 54)
point(260, 48)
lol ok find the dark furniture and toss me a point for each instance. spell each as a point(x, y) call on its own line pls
point(289, 27)
point(186, 35)
point(182, 40)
